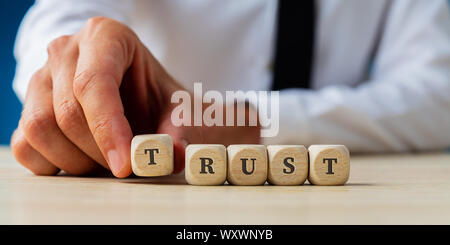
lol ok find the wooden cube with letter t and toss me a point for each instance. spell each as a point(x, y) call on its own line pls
point(206, 164)
point(328, 164)
point(288, 164)
point(152, 155)
point(247, 164)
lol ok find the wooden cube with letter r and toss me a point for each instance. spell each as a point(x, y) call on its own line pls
point(206, 164)
point(247, 164)
point(152, 155)
point(328, 164)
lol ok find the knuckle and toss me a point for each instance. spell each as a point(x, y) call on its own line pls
point(95, 22)
point(23, 153)
point(39, 75)
point(82, 82)
point(37, 123)
point(114, 27)
point(68, 116)
point(19, 148)
point(58, 44)
point(101, 128)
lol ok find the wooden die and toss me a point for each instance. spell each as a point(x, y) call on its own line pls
point(247, 164)
point(206, 164)
point(288, 164)
point(328, 164)
point(152, 155)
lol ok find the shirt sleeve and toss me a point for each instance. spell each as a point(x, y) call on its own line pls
point(49, 19)
point(405, 105)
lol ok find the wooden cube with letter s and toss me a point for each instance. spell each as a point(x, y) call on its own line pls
point(288, 164)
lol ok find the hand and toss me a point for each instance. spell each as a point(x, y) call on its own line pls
point(98, 88)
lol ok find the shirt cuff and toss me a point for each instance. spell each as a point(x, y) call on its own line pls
point(293, 123)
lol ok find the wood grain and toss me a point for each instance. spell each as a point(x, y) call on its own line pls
point(152, 155)
point(382, 189)
point(288, 164)
point(328, 164)
point(247, 164)
point(214, 171)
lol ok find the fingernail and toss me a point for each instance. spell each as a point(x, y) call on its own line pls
point(114, 162)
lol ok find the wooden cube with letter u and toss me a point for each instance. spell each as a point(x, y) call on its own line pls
point(328, 164)
point(206, 164)
point(152, 155)
point(247, 164)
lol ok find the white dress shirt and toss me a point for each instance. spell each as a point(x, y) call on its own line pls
point(381, 69)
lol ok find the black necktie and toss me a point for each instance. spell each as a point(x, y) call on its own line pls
point(294, 48)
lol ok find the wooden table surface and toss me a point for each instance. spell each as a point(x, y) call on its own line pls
point(384, 189)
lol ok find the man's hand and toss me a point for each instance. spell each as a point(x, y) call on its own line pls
point(98, 88)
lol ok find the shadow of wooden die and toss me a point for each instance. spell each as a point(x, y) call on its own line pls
point(288, 164)
point(328, 164)
point(247, 164)
point(206, 164)
point(152, 155)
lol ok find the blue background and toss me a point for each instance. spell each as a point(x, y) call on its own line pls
point(11, 13)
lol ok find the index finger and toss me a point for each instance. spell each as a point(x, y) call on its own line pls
point(102, 63)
